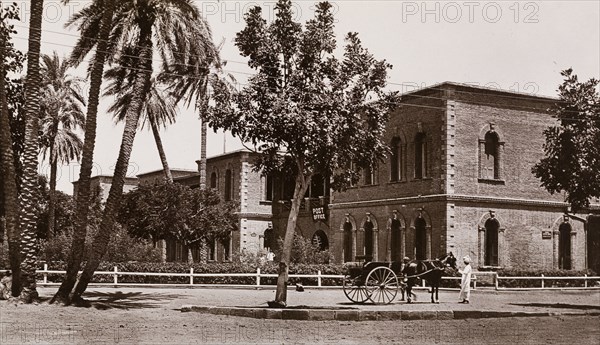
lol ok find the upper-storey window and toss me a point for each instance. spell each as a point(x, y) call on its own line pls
point(421, 155)
point(490, 155)
point(396, 160)
point(369, 175)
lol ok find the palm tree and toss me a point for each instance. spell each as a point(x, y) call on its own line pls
point(9, 178)
point(30, 156)
point(61, 114)
point(158, 109)
point(208, 75)
point(178, 31)
point(99, 29)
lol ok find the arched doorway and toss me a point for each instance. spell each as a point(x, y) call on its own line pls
point(348, 242)
point(420, 239)
point(564, 246)
point(491, 242)
point(320, 239)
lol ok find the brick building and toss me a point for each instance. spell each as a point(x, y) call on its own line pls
point(459, 179)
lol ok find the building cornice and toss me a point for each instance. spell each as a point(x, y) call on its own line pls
point(254, 215)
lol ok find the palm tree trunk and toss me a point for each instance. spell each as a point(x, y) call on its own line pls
point(203, 155)
point(100, 243)
point(52, 201)
point(161, 150)
point(203, 259)
point(9, 181)
point(87, 159)
point(27, 217)
point(302, 183)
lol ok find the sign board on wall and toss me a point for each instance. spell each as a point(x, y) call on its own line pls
point(318, 214)
point(546, 234)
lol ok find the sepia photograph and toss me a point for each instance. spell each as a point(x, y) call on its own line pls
point(300, 172)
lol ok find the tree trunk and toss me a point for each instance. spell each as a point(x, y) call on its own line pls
point(9, 181)
point(100, 243)
point(203, 155)
point(52, 202)
point(161, 150)
point(203, 251)
point(190, 255)
point(302, 183)
point(27, 215)
point(87, 159)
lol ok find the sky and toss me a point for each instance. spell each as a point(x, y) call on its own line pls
point(513, 45)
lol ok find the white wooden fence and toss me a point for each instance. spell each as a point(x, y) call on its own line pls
point(115, 273)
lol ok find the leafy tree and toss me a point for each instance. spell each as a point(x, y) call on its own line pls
point(174, 211)
point(11, 61)
point(572, 148)
point(61, 116)
point(307, 111)
point(93, 34)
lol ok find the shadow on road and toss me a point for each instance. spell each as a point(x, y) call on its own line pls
point(127, 300)
point(558, 305)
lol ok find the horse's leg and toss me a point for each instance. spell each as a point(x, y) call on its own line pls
point(402, 288)
point(408, 293)
point(432, 290)
point(437, 290)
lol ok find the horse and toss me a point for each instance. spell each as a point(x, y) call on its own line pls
point(430, 270)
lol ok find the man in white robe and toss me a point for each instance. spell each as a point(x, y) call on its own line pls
point(465, 282)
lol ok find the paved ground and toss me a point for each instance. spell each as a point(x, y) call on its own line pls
point(153, 316)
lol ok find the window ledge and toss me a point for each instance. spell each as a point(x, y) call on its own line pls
point(423, 179)
point(397, 182)
point(491, 181)
point(265, 202)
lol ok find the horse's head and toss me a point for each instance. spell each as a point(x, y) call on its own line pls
point(449, 260)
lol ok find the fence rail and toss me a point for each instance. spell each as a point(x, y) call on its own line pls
point(319, 276)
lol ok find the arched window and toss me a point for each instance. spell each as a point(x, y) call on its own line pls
point(348, 242)
point(396, 160)
point(213, 180)
point(420, 239)
point(395, 240)
point(490, 155)
point(226, 242)
point(564, 246)
point(269, 239)
point(421, 156)
point(320, 239)
point(212, 250)
point(228, 185)
point(491, 242)
point(268, 188)
point(368, 240)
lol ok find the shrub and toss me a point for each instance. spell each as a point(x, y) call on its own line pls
point(305, 251)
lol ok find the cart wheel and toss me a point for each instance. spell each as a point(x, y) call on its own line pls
point(356, 293)
point(382, 284)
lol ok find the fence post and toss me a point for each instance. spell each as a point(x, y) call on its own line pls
point(258, 276)
point(496, 280)
point(542, 281)
point(423, 282)
point(585, 280)
point(474, 282)
point(319, 278)
point(45, 273)
point(191, 276)
point(116, 277)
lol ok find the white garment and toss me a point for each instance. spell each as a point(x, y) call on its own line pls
point(270, 256)
point(465, 283)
